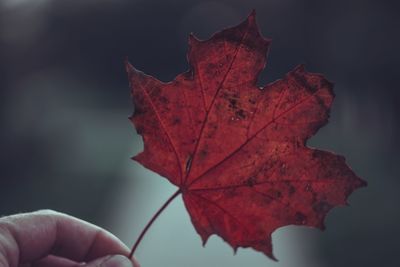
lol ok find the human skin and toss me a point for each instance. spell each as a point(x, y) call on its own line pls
point(48, 238)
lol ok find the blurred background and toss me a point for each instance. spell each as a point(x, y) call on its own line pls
point(66, 142)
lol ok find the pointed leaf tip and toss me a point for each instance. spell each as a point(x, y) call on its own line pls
point(252, 15)
point(128, 66)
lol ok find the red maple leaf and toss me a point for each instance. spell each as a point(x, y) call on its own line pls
point(238, 152)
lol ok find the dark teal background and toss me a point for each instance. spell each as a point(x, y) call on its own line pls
point(65, 139)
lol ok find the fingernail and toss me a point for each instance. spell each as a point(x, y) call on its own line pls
point(117, 261)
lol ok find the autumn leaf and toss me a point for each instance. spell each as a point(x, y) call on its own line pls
point(238, 152)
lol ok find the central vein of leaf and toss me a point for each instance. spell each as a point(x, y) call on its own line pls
point(212, 104)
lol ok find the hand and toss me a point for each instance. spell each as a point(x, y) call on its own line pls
point(52, 239)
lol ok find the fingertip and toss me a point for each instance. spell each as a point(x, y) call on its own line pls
point(135, 262)
point(105, 243)
point(111, 261)
point(34, 235)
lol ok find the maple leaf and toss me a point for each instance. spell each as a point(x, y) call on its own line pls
point(238, 152)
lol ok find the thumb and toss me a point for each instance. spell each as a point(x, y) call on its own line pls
point(110, 261)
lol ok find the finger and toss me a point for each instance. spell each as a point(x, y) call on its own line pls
point(107, 261)
point(54, 261)
point(29, 237)
point(110, 261)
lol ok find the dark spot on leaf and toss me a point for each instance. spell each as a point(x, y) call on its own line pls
point(252, 101)
point(292, 189)
point(139, 130)
point(241, 114)
point(300, 218)
point(277, 194)
point(322, 207)
point(139, 111)
point(164, 100)
point(176, 121)
point(251, 181)
point(203, 153)
point(232, 103)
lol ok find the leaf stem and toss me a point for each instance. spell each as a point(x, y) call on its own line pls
point(169, 200)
